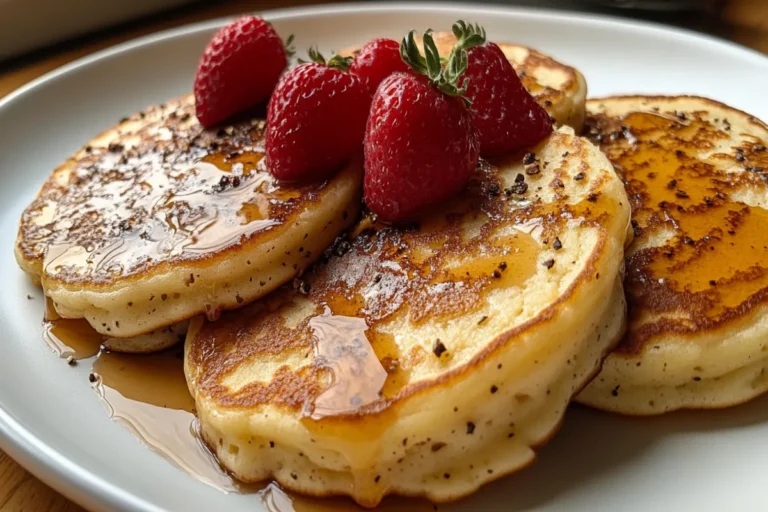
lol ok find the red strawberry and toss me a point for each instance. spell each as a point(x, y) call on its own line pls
point(507, 117)
point(420, 144)
point(315, 120)
point(239, 69)
point(376, 61)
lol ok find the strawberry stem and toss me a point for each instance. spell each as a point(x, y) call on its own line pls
point(336, 61)
point(445, 74)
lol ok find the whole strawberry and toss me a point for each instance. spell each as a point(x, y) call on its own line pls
point(315, 120)
point(420, 142)
point(507, 117)
point(238, 69)
point(377, 60)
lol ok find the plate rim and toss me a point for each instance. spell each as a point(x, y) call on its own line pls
point(78, 483)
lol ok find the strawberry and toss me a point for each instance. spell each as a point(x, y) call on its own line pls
point(420, 143)
point(238, 69)
point(315, 119)
point(507, 117)
point(376, 61)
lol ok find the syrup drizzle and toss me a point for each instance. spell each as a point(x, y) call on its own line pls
point(156, 188)
point(68, 338)
point(357, 376)
point(711, 262)
point(148, 395)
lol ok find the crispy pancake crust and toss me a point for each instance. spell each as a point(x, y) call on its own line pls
point(697, 272)
point(560, 89)
point(447, 347)
point(157, 220)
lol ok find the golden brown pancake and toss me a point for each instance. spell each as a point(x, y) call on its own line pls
point(157, 220)
point(428, 359)
point(697, 272)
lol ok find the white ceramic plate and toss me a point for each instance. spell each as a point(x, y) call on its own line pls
point(53, 424)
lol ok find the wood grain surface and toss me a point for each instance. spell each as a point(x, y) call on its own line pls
point(742, 21)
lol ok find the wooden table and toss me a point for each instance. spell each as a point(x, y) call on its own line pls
point(743, 21)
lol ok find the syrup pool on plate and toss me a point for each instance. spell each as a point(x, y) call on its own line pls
point(148, 395)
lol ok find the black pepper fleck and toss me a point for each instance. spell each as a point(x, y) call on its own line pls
point(438, 446)
point(439, 348)
point(532, 169)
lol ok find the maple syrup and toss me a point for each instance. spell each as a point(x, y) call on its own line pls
point(148, 395)
point(713, 258)
point(69, 338)
point(356, 374)
point(162, 189)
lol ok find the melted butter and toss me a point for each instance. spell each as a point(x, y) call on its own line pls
point(356, 374)
point(718, 250)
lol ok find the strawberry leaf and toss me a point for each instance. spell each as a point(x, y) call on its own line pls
point(443, 73)
point(290, 50)
point(336, 61)
point(468, 36)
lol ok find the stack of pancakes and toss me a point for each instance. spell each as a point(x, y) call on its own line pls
point(338, 355)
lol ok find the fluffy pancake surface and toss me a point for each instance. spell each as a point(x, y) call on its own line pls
point(427, 360)
point(157, 220)
point(697, 271)
point(559, 88)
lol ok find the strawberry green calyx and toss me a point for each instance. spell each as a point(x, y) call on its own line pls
point(443, 73)
point(467, 35)
point(290, 50)
point(336, 61)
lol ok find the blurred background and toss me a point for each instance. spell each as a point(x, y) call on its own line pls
point(39, 35)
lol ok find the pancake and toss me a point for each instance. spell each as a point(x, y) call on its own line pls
point(559, 88)
point(157, 220)
point(697, 272)
point(429, 359)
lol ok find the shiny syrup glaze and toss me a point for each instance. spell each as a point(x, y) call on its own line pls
point(68, 338)
point(713, 265)
point(379, 273)
point(356, 374)
point(442, 268)
point(148, 395)
point(156, 189)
